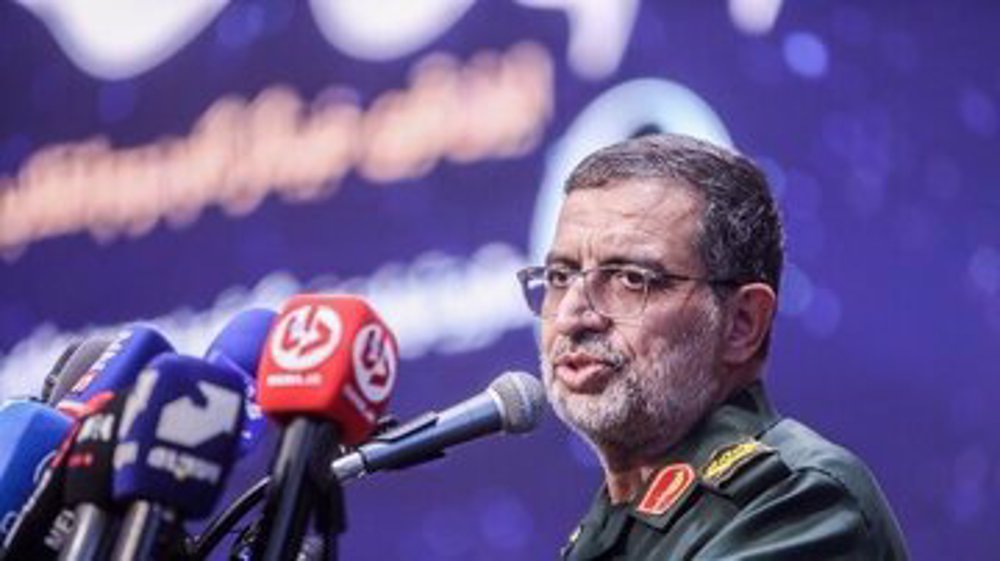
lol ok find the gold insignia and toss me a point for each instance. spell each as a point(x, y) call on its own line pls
point(727, 460)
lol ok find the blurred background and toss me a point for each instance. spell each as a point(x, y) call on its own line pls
point(176, 162)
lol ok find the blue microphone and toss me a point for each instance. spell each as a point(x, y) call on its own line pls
point(240, 344)
point(117, 367)
point(239, 347)
point(33, 535)
point(177, 441)
point(39, 530)
point(31, 433)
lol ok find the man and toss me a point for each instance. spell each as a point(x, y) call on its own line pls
point(657, 300)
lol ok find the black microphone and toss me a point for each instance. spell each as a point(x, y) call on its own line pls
point(50, 379)
point(512, 403)
point(87, 483)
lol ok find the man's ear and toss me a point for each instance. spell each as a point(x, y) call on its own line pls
point(751, 311)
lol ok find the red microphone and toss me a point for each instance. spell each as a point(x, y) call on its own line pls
point(329, 357)
point(328, 370)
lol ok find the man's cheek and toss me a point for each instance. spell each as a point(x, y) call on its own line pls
point(629, 342)
point(546, 340)
point(657, 347)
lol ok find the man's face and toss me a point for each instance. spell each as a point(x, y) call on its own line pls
point(637, 384)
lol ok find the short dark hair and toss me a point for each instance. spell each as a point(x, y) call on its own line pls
point(740, 233)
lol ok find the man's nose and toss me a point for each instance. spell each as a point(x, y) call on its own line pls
point(575, 314)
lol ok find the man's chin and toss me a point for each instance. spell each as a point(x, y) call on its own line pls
point(588, 414)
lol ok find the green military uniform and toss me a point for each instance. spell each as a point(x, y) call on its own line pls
point(746, 484)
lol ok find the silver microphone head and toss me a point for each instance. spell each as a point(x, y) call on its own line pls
point(521, 397)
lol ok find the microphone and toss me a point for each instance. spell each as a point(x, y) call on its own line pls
point(238, 347)
point(31, 432)
point(512, 403)
point(50, 379)
point(240, 344)
point(71, 367)
point(177, 443)
point(41, 526)
point(116, 368)
point(38, 531)
point(329, 367)
point(87, 483)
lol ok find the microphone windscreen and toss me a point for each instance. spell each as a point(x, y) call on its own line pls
point(241, 342)
point(29, 434)
point(521, 397)
point(332, 358)
point(87, 464)
point(178, 435)
point(117, 367)
point(239, 347)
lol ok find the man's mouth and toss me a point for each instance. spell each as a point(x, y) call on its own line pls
point(582, 372)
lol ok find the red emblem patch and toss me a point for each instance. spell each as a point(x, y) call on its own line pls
point(667, 488)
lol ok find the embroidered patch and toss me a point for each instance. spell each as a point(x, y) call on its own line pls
point(727, 460)
point(667, 488)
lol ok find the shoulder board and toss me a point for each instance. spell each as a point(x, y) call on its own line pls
point(730, 459)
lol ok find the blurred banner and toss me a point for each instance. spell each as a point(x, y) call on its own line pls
point(177, 162)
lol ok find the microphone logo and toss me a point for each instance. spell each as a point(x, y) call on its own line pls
point(374, 362)
point(306, 337)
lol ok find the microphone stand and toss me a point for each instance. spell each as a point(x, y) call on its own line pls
point(330, 519)
point(159, 524)
point(89, 541)
point(299, 477)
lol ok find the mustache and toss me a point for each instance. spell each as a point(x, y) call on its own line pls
point(596, 347)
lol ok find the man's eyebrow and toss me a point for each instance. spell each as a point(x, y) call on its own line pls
point(556, 258)
point(647, 263)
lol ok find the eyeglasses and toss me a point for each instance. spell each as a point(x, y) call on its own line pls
point(613, 291)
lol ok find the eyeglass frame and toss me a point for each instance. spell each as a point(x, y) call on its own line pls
point(651, 278)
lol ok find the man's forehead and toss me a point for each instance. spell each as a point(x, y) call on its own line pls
point(642, 219)
point(637, 197)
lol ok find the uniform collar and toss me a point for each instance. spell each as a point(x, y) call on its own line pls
point(746, 414)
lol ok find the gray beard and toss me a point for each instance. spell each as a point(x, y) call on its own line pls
point(646, 407)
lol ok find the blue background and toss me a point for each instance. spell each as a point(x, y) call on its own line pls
point(877, 124)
